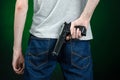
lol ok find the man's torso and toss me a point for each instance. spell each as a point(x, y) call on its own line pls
point(49, 15)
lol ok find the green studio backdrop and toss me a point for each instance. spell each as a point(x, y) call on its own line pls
point(105, 45)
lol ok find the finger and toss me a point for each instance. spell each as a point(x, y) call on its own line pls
point(22, 66)
point(74, 33)
point(78, 33)
point(68, 37)
point(72, 30)
point(21, 70)
point(16, 67)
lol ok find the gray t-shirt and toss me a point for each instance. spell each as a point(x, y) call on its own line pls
point(49, 15)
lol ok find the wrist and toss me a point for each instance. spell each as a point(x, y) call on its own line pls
point(85, 19)
point(83, 22)
point(86, 15)
point(17, 49)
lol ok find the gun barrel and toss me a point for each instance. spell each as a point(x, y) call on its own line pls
point(58, 47)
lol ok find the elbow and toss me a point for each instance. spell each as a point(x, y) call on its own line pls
point(95, 1)
point(98, 1)
point(21, 6)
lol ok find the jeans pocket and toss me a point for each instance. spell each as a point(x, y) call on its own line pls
point(37, 51)
point(80, 55)
point(38, 60)
point(79, 61)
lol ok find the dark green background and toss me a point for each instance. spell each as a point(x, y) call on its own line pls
point(105, 45)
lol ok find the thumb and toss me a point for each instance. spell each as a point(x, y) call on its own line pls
point(72, 28)
point(68, 37)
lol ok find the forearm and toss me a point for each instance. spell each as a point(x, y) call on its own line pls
point(19, 21)
point(89, 9)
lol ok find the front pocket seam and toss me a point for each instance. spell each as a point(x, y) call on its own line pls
point(30, 54)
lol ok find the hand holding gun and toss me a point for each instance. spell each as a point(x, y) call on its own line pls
point(62, 38)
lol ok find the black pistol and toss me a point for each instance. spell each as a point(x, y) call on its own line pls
point(62, 37)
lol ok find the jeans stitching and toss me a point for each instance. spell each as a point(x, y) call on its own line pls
point(30, 54)
point(40, 64)
point(72, 62)
point(45, 53)
point(83, 58)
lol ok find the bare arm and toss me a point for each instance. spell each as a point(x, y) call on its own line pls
point(89, 9)
point(84, 18)
point(19, 21)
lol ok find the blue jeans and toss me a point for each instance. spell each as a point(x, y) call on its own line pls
point(74, 59)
